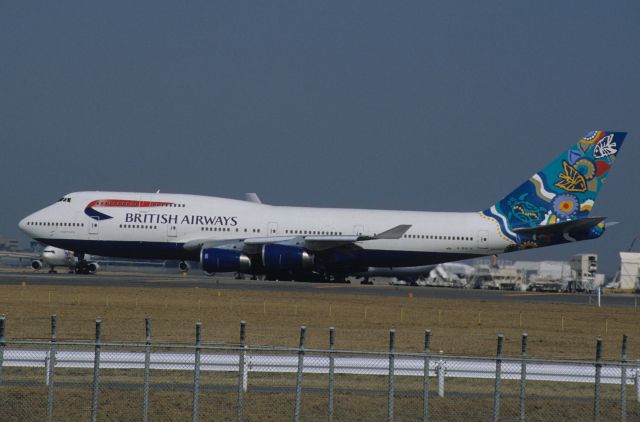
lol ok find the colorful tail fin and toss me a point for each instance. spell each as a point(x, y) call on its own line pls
point(565, 190)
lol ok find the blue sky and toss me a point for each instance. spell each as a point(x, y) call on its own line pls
point(399, 105)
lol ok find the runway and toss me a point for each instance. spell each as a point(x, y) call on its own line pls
point(163, 280)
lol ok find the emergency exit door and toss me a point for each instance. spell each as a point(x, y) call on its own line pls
point(483, 239)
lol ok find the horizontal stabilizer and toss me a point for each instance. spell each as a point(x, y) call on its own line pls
point(564, 227)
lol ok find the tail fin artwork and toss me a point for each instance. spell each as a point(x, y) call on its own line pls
point(538, 212)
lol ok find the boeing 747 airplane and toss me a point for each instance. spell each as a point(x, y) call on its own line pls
point(281, 242)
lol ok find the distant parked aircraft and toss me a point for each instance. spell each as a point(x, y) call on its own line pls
point(55, 257)
point(226, 235)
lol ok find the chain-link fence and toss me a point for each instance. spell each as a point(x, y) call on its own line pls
point(58, 381)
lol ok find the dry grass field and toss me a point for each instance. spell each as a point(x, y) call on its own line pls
point(465, 327)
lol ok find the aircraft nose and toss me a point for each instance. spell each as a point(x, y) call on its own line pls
point(23, 224)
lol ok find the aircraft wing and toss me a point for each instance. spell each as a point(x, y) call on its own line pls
point(319, 243)
point(312, 242)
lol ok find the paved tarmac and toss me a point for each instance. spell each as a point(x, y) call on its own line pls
point(164, 280)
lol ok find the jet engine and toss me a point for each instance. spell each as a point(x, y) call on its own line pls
point(215, 260)
point(37, 264)
point(283, 257)
point(92, 267)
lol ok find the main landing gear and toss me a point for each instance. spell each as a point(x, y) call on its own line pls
point(82, 267)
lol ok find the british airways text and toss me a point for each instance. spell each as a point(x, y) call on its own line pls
point(202, 220)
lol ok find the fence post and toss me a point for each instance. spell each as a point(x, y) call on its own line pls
point(596, 395)
point(196, 376)
point(637, 385)
point(241, 371)
point(96, 372)
point(147, 366)
point(2, 344)
point(332, 341)
point(523, 375)
point(623, 381)
point(441, 370)
point(51, 366)
point(425, 385)
point(496, 394)
point(390, 397)
point(296, 412)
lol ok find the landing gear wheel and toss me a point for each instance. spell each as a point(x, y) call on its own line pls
point(82, 267)
point(340, 279)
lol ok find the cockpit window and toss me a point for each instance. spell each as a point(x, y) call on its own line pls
point(64, 199)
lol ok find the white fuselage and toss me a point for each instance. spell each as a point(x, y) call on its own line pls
point(56, 257)
point(142, 225)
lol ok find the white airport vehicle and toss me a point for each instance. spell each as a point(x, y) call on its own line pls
point(498, 278)
point(546, 284)
point(281, 242)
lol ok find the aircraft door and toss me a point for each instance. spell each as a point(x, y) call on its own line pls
point(78, 219)
point(94, 228)
point(172, 230)
point(272, 229)
point(483, 239)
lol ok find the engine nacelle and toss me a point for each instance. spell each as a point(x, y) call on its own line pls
point(183, 266)
point(283, 257)
point(92, 267)
point(216, 260)
point(37, 264)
